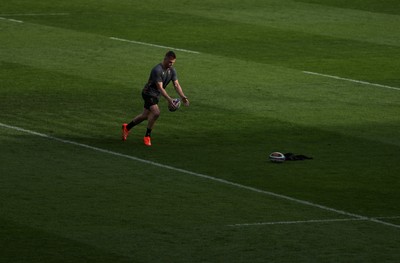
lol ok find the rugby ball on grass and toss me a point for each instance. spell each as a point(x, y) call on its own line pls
point(277, 157)
point(177, 103)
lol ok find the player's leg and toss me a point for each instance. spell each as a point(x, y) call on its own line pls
point(148, 102)
point(138, 119)
point(152, 118)
point(126, 127)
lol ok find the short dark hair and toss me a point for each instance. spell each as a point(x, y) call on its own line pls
point(170, 54)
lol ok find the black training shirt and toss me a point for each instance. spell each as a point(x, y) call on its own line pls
point(159, 74)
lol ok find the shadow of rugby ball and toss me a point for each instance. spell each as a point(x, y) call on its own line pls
point(277, 157)
point(177, 103)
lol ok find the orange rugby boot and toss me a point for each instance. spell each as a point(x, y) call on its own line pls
point(125, 132)
point(147, 140)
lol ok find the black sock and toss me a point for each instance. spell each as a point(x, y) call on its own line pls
point(148, 132)
point(130, 125)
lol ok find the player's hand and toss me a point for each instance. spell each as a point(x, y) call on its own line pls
point(185, 101)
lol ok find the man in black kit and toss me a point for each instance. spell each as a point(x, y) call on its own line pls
point(160, 76)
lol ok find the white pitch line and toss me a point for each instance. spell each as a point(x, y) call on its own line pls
point(351, 80)
point(11, 20)
point(153, 45)
point(32, 14)
point(279, 196)
point(297, 222)
point(309, 221)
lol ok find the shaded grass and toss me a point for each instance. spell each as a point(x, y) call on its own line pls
point(119, 207)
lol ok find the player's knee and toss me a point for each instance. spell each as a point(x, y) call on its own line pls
point(156, 114)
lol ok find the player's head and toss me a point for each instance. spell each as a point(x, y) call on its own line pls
point(169, 59)
point(170, 54)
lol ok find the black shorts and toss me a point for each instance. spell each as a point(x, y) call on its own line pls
point(149, 101)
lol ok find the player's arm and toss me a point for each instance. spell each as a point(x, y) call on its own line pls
point(179, 90)
point(165, 95)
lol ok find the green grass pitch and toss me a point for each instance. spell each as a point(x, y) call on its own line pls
point(313, 77)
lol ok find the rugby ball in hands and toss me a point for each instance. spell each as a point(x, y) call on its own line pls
point(177, 103)
point(277, 157)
